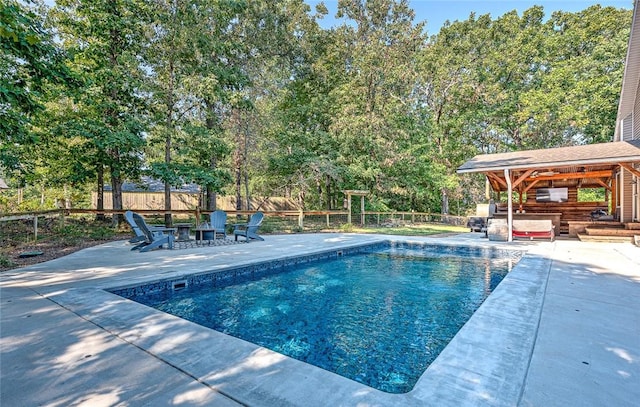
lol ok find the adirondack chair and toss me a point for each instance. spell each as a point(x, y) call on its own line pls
point(153, 238)
point(218, 222)
point(139, 234)
point(249, 230)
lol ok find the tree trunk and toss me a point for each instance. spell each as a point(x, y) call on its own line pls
point(116, 197)
point(210, 193)
point(167, 205)
point(167, 186)
point(328, 193)
point(238, 174)
point(246, 189)
point(445, 202)
point(211, 199)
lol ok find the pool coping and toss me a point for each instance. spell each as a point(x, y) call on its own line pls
point(495, 343)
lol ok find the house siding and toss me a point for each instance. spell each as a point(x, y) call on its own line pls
point(636, 117)
point(627, 128)
point(627, 197)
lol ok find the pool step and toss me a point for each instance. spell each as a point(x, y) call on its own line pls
point(611, 232)
point(604, 238)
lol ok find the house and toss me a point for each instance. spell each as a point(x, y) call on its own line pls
point(628, 124)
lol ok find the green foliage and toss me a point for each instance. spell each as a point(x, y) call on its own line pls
point(5, 261)
point(30, 61)
point(81, 229)
point(347, 228)
point(591, 195)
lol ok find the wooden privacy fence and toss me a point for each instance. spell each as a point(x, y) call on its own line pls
point(184, 201)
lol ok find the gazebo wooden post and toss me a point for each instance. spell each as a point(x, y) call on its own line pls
point(487, 189)
point(614, 193)
point(507, 177)
point(520, 208)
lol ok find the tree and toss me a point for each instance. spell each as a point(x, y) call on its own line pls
point(376, 59)
point(30, 60)
point(271, 33)
point(192, 83)
point(105, 37)
point(577, 96)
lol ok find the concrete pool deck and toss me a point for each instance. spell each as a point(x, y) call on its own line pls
point(562, 329)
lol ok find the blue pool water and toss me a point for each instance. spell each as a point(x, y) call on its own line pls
point(378, 318)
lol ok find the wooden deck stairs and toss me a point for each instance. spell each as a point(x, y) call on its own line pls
point(624, 232)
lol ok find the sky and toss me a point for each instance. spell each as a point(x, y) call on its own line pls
point(436, 12)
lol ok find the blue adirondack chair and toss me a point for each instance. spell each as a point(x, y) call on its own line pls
point(155, 238)
point(249, 230)
point(218, 222)
point(139, 234)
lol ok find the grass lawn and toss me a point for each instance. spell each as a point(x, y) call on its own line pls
point(422, 229)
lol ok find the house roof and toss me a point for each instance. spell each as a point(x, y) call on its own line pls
point(3, 185)
point(590, 154)
point(148, 184)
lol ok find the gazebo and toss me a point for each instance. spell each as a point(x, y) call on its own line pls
point(550, 178)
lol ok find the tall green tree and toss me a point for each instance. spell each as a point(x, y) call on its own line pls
point(576, 99)
point(30, 61)
point(106, 38)
point(378, 74)
point(193, 83)
point(270, 33)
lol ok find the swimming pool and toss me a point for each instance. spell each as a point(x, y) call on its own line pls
point(378, 315)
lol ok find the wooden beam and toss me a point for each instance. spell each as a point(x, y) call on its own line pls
point(497, 179)
point(614, 191)
point(572, 175)
point(531, 185)
point(494, 185)
point(522, 178)
point(604, 184)
point(630, 168)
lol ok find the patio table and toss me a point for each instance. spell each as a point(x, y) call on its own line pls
point(183, 231)
point(207, 234)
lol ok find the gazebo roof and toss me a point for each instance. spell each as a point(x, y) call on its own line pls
point(590, 154)
point(586, 166)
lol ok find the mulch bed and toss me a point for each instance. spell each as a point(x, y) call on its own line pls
point(50, 250)
point(16, 239)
